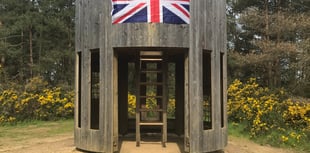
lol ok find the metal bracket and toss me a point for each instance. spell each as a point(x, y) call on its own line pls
point(115, 144)
point(186, 145)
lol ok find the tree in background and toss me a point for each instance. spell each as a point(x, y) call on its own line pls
point(269, 40)
point(37, 39)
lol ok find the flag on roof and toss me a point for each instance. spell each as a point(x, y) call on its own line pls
point(155, 11)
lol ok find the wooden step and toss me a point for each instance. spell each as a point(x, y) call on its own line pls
point(157, 97)
point(151, 123)
point(151, 83)
point(150, 110)
point(151, 59)
point(151, 71)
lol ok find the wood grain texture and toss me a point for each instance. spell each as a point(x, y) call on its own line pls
point(207, 31)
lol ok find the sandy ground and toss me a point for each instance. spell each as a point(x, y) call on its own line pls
point(64, 144)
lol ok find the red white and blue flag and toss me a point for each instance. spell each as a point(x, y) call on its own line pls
point(155, 11)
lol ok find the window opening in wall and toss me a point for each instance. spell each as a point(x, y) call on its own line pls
point(95, 88)
point(131, 91)
point(207, 98)
point(222, 89)
point(171, 91)
point(79, 58)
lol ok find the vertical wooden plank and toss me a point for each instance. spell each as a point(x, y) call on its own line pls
point(87, 87)
point(77, 133)
point(115, 101)
point(83, 78)
point(137, 74)
point(109, 83)
point(102, 105)
point(207, 14)
point(76, 101)
point(224, 64)
point(195, 79)
point(186, 104)
point(102, 117)
point(209, 135)
point(78, 19)
point(107, 63)
point(85, 91)
point(165, 98)
point(103, 86)
point(216, 75)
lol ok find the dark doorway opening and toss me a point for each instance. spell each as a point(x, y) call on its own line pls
point(127, 67)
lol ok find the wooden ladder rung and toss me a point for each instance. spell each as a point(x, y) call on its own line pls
point(151, 96)
point(159, 72)
point(150, 110)
point(151, 83)
point(151, 71)
point(151, 123)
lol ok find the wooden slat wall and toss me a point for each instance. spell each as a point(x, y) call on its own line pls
point(150, 35)
point(207, 32)
point(87, 38)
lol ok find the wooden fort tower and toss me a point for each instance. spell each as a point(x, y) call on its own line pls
point(155, 62)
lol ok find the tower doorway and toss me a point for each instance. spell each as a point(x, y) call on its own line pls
point(151, 93)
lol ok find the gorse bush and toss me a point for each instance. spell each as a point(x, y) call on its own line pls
point(35, 103)
point(264, 111)
point(151, 103)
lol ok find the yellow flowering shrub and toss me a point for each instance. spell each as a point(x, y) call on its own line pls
point(297, 113)
point(150, 103)
point(46, 105)
point(131, 105)
point(53, 104)
point(171, 108)
point(252, 104)
point(265, 111)
point(8, 98)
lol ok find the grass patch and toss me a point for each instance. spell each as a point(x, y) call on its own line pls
point(237, 130)
point(36, 129)
point(273, 138)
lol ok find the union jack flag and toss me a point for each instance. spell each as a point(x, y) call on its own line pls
point(155, 11)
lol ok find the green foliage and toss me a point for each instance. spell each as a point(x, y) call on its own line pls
point(36, 85)
point(269, 115)
point(267, 40)
point(37, 39)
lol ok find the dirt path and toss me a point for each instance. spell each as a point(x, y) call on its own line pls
point(64, 144)
point(239, 145)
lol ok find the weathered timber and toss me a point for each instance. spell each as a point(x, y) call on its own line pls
point(120, 44)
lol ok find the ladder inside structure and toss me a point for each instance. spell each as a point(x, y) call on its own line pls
point(151, 102)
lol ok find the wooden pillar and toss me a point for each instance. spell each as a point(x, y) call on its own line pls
point(195, 78)
point(107, 62)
